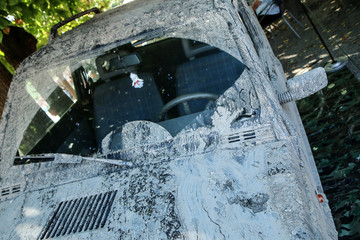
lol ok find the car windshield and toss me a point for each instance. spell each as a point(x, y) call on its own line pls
point(168, 81)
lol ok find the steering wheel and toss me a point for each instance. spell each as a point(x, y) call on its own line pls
point(184, 100)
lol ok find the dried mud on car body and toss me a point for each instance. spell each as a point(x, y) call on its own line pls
point(199, 184)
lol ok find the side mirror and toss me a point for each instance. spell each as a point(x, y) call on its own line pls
point(304, 85)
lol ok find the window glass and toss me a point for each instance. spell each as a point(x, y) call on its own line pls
point(135, 81)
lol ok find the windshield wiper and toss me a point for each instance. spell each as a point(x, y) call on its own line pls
point(62, 158)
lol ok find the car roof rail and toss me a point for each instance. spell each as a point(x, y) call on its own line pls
point(53, 30)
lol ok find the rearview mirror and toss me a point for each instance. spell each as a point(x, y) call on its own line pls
point(113, 64)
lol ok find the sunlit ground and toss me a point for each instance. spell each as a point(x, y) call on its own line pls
point(338, 25)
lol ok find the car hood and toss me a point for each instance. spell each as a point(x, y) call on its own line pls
point(193, 187)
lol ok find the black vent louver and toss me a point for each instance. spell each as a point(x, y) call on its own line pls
point(9, 191)
point(247, 135)
point(78, 215)
point(250, 135)
point(5, 191)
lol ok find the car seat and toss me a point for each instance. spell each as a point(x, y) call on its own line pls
point(117, 102)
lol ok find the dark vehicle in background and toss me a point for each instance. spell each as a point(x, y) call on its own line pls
point(160, 120)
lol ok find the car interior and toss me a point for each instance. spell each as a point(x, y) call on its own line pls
point(179, 78)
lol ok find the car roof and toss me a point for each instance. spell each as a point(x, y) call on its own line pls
point(107, 28)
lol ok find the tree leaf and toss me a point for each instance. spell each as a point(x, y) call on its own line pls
point(3, 12)
point(4, 23)
point(12, 2)
point(3, 4)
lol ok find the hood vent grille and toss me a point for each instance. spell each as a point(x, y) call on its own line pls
point(247, 135)
point(7, 192)
point(250, 135)
point(78, 215)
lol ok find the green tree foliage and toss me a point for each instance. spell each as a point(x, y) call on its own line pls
point(38, 16)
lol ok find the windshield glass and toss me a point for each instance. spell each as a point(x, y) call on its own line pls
point(168, 81)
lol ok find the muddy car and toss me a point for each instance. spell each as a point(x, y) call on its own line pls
point(160, 119)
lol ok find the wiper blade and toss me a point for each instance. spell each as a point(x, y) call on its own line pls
point(68, 158)
point(26, 159)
